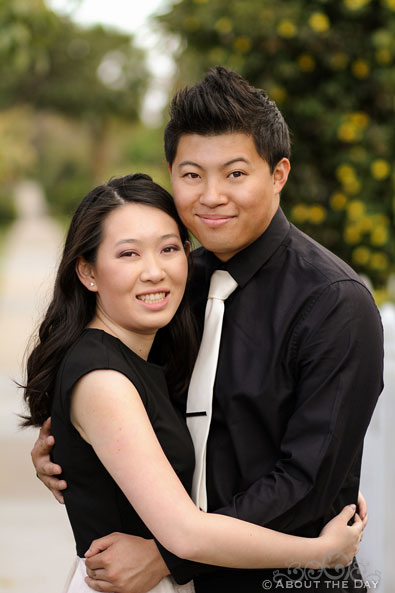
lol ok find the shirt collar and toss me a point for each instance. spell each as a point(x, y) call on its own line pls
point(244, 265)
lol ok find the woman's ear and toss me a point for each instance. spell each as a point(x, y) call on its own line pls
point(85, 273)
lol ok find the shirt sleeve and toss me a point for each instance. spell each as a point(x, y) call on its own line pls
point(336, 357)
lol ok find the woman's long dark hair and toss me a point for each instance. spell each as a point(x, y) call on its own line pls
point(73, 306)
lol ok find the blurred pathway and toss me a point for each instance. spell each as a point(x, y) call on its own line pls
point(36, 544)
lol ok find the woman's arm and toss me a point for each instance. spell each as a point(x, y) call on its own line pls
point(109, 414)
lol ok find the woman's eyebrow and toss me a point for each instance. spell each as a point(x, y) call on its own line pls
point(162, 237)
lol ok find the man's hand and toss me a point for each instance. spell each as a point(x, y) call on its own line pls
point(46, 470)
point(123, 563)
point(362, 509)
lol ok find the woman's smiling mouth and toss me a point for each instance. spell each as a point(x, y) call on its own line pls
point(153, 298)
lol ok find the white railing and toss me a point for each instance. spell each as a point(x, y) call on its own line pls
point(377, 552)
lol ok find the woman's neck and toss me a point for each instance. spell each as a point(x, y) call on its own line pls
point(140, 343)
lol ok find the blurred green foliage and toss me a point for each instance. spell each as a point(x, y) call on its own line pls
point(65, 92)
point(50, 62)
point(330, 67)
point(7, 209)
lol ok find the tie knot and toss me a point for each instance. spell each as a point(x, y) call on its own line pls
point(221, 285)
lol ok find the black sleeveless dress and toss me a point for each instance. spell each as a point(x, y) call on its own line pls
point(95, 504)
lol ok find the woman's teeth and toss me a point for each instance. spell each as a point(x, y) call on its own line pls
point(154, 297)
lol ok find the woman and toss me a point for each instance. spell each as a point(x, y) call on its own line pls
point(123, 445)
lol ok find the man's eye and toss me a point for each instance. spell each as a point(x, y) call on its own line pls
point(236, 174)
point(191, 175)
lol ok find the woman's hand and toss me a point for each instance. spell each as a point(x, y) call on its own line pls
point(45, 469)
point(342, 540)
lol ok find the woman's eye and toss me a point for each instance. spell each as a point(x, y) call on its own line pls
point(171, 249)
point(128, 254)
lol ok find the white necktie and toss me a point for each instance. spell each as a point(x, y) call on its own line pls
point(200, 393)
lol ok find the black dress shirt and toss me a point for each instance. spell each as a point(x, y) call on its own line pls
point(298, 376)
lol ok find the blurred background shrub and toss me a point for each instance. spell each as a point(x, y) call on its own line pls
point(330, 67)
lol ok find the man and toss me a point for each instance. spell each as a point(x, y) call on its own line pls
point(300, 362)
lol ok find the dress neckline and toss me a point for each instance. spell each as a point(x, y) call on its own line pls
point(124, 347)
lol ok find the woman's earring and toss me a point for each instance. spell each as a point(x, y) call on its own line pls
point(91, 284)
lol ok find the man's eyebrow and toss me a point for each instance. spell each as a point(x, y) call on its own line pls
point(235, 160)
point(190, 163)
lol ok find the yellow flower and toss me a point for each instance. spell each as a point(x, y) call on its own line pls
point(379, 236)
point(352, 235)
point(379, 261)
point(359, 119)
point(306, 62)
point(217, 55)
point(381, 219)
point(383, 56)
point(348, 132)
point(242, 44)
point(277, 93)
point(390, 4)
point(361, 255)
point(319, 22)
point(381, 296)
point(317, 214)
point(382, 38)
point(365, 224)
point(338, 201)
point(286, 28)
point(345, 173)
point(352, 186)
point(339, 61)
point(353, 125)
point(223, 25)
point(300, 213)
point(380, 169)
point(360, 69)
point(355, 209)
point(355, 4)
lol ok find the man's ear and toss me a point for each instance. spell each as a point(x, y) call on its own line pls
point(187, 247)
point(85, 273)
point(280, 174)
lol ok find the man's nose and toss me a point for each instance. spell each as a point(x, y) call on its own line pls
point(213, 195)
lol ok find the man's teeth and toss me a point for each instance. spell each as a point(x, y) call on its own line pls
point(154, 297)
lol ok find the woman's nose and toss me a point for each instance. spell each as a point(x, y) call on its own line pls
point(152, 270)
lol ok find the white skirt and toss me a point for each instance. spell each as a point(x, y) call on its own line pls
point(76, 582)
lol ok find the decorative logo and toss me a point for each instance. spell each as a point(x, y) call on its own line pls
point(319, 576)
